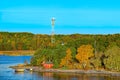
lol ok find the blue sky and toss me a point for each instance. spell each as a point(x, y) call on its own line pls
point(72, 16)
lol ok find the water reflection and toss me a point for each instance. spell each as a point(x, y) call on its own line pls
point(19, 72)
point(46, 75)
point(74, 76)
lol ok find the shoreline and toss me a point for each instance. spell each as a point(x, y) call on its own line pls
point(76, 71)
point(79, 71)
point(17, 52)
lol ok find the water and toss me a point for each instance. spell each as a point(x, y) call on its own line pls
point(7, 73)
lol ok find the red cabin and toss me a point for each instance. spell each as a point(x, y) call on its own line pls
point(48, 65)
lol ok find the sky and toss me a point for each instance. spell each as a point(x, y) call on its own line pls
point(71, 16)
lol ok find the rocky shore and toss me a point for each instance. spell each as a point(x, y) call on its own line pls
point(39, 69)
point(104, 72)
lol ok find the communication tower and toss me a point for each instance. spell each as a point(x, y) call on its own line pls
point(53, 32)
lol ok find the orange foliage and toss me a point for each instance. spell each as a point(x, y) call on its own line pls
point(84, 53)
point(67, 59)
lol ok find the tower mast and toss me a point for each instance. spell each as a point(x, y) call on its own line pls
point(52, 34)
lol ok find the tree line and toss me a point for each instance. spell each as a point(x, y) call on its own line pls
point(79, 51)
point(28, 41)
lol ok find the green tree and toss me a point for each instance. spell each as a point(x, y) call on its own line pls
point(113, 60)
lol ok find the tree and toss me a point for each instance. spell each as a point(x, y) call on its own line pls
point(53, 54)
point(84, 53)
point(67, 59)
point(113, 60)
point(13, 45)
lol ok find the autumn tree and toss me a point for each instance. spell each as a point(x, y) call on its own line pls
point(97, 60)
point(113, 60)
point(66, 61)
point(84, 53)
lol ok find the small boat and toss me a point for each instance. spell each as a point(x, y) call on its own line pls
point(29, 69)
point(19, 70)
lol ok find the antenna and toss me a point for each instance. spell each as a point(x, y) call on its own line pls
point(52, 34)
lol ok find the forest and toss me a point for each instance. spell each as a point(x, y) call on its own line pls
point(72, 51)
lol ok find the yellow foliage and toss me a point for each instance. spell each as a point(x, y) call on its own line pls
point(66, 60)
point(84, 52)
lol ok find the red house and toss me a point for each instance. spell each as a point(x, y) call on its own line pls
point(48, 65)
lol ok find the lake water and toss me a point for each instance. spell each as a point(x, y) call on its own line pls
point(7, 73)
